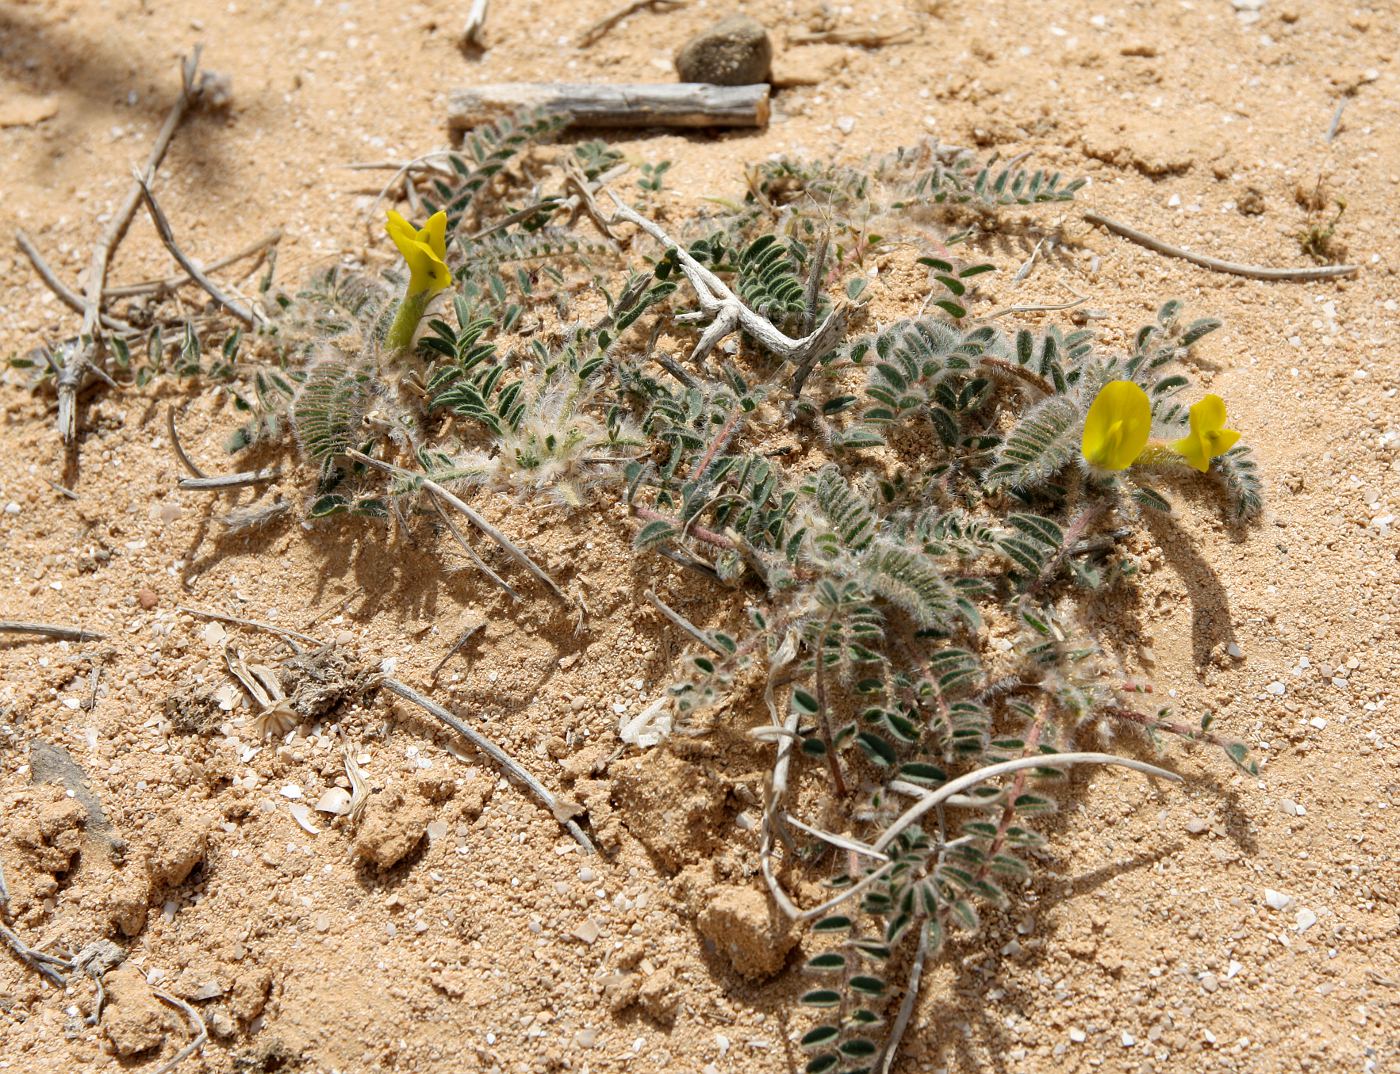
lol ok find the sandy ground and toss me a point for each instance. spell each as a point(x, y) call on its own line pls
point(1150, 945)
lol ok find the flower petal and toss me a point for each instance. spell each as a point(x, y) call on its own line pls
point(434, 233)
point(401, 231)
point(1117, 426)
point(1208, 415)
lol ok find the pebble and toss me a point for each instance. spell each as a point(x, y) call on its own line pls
point(1277, 688)
point(1078, 1035)
point(1306, 920)
point(1277, 900)
point(147, 598)
point(846, 124)
point(1209, 982)
point(1318, 722)
point(1195, 825)
point(733, 52)
point(588, 932)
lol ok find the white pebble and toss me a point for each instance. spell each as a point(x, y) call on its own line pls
point(1277, 900)
point(846, 124)
point(1306, 920)
point(1078, 1035)
point(1276, 687)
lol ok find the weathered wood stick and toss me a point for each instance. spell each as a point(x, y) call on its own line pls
point(634, 104)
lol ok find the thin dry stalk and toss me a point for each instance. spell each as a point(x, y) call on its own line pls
point(466, 547)
point(683, 623)
point(168, 284)
point(906, 1005)
point(254, 623)
point(600, 29)
point(66, 294)
point(1235, 268)
point(185, 460)
point(933, 799)
point(554, 203)
point(201, 1034)
point(88, 353)
point(472, 516)
point(231, 481)
point(48, 630)
point(857, 36)
point(234, 307)
point(46, 965)
point(842, 841)
point(511, 767)
point(465, 637)
point(476, 22)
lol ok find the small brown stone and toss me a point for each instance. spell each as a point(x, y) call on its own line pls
point(147, 598)
point(733, 52)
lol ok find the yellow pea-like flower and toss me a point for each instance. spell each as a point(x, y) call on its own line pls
point(1208, 437)
point(425, 251)
point(1117, 426)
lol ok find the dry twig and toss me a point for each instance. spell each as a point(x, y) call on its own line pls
point(480, 563)
point(476, 22)
point(231, 481)
point(46, 630)
point(185, 460)
point(201, 1034)
point(42, 963)
point(683, 623)
point(465, 637)
point(1254, 272)
point(728, 313)
point(236, 308)
point(254, 623)
point(66, 294)
point(486, 746)
point(599, 29)
point(906, 1005)
point(472, 516)
point(88, 353)
point(167, 284)
point(861, 37)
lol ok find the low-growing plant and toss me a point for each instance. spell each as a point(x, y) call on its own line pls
point(919, 507)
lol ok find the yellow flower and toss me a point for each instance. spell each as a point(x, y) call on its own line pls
point(425, 251)
point(1209, 437)
point(1117, 426)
